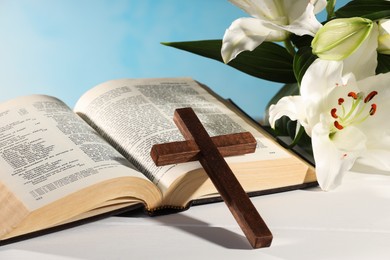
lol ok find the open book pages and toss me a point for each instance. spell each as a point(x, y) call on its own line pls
point(54, 166)
point(134, 114)
point(59, 165)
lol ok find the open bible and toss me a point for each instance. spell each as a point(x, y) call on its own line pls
point(60, 165)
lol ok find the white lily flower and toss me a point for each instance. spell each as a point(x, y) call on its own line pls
point(272, 20)
point(345, 118)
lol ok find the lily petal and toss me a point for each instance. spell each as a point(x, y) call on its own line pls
point(315, 87)
point(386, 25)
point(384, 36)
point(291, 106)
point(245, 34)
point(272, 20)
point(375, 159)
point(319, 5)
point(379, 83)
point(306, 24)
point(363, 62)
point(294, 9)
point(320, 78)
point(270, 10)
point(331, 162)
point(377, 127)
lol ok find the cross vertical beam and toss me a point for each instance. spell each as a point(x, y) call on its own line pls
point(238, 202)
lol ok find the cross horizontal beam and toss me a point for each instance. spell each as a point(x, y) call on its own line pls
point(187, 151)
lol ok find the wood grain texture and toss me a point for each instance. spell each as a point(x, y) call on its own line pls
point(238, 202)
point(187, 151)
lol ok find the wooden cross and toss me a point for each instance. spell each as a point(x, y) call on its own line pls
point(210, 151)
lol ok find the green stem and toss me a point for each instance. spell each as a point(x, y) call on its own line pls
point(297, 137)
point(330, 9)
point(290, 48)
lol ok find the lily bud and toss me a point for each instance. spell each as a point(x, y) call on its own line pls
point(339, 38)
point(384, 37)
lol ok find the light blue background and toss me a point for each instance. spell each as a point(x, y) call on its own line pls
point(63, 48)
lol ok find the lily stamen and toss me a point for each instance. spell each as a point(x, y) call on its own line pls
point(337, 125)
point(370, 96)
point(353, 95)
point(373, 109)
point(333, 113)
point(356, 110)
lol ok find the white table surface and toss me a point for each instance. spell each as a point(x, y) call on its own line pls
point(351, 222)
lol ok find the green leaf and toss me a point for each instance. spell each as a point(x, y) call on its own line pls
point(269, 61)
point(383, 63)
point(370, 9)
point(301, 41)
point(302, 60)
point(286, 127)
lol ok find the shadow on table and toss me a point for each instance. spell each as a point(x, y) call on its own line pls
point(217, 235)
